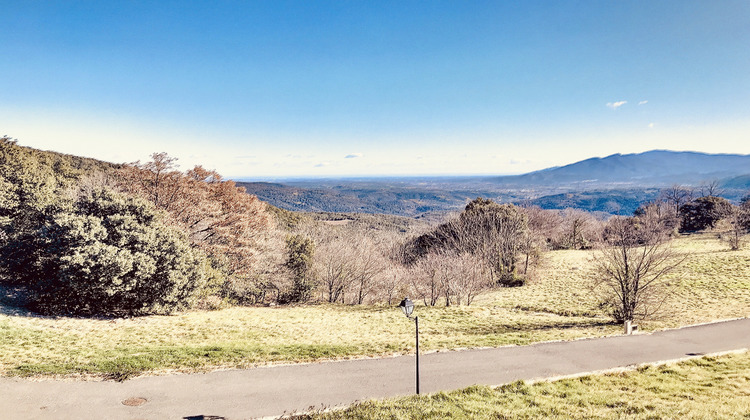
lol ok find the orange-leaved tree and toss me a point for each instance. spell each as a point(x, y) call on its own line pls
point(231, 226)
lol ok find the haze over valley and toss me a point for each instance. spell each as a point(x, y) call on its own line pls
point(616, 184)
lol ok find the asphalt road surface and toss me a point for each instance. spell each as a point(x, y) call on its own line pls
point(270, 391)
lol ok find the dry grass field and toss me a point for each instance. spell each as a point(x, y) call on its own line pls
point(705, 388)
point(713, 283)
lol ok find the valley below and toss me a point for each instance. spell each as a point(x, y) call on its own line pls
point(613, 185)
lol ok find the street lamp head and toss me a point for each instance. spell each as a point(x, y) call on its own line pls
point(407, 306)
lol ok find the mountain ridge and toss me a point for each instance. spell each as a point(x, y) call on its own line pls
point(614, 184)
point(653, 168)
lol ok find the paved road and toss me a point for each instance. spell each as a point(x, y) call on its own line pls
point(242, 394)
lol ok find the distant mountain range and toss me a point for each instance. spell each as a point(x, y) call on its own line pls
point(615, 184)
point(653, 168)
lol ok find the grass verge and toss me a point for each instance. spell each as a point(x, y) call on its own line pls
point(705, 388)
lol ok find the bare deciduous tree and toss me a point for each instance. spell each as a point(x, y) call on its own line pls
point(333, 264)
point(348, 261)
point(490, 231)
point(369, 263)
point(710, 188)
point(676, 196)
point(659, 215)
point(738, 220)
point(470, 277)
point(631, 270)
point(425, 279)
point(579, 230)
point(231, 226)
point(456, 277)
point(545, 225)
point(393, 283)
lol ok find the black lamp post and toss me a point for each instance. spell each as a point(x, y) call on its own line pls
point(407, 306)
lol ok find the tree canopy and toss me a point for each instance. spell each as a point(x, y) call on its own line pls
point(703, 213)
point(493, 232)
point(107, 255)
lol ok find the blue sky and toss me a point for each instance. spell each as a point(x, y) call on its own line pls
point(337, 88)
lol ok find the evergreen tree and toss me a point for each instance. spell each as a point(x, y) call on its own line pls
point(300, 251)
point(107, 255)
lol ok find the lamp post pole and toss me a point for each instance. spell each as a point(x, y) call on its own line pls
point(407, 306)
point(416, 323)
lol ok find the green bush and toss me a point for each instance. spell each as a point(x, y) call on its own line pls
point(105, 255)
point(511, 280)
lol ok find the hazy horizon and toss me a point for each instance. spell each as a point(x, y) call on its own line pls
point(338, 89)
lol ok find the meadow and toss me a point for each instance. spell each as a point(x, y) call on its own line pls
point(708, 387)
point(713, 283)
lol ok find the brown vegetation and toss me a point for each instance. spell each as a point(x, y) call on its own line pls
point(233, 228)
point(630, 270)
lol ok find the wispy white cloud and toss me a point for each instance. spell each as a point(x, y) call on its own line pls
point(615, 105)
point(642, 102)
point(353, 155)
point(651, 125)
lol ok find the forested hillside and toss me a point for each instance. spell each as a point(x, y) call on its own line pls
point(432, 201)
point(79, 236)
point(386, 196)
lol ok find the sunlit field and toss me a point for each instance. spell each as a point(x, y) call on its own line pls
point(712, 284)
point(706, 388)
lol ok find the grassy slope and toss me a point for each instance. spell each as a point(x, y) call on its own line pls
point(710, 387)
point(715, 285)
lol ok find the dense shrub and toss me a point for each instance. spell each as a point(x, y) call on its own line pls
point(28, 186)
point(703, 213)
point(492, 232)
point(105, 255)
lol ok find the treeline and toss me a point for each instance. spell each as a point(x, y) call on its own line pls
point(688, 210)
point(485, 246)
